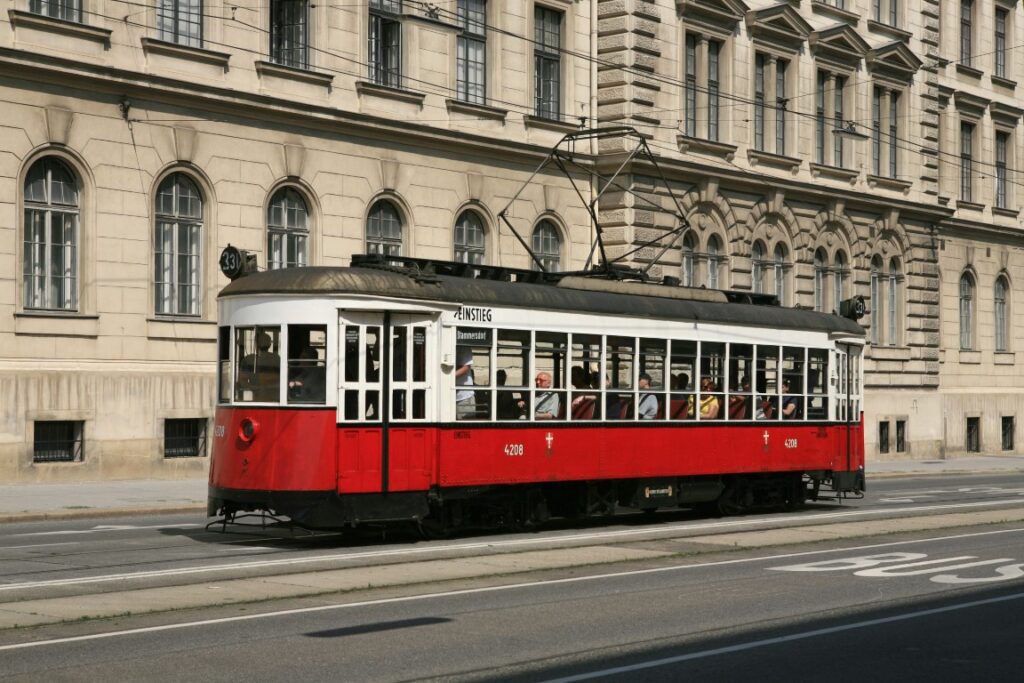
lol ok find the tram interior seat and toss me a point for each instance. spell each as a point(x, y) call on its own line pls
point(584, 410)
point(680, 409)
point(625, 408)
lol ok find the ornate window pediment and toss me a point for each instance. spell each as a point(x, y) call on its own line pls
point(1005, 114)
point(895, 60)
point(778, 25)
point(840, 44)
point(718, 13)
point(969, 104)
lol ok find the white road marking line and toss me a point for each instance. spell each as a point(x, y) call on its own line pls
point(37, 545)
point(487, 589)
point(399, 552)
point(104, 527)
point(793, 637)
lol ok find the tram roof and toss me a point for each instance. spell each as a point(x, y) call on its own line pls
point(313, 281)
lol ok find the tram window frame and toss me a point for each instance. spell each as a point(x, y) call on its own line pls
point(711, 398)
point(224, 385)
point(682, 365)
point(652, 360)
point(767, 364)
point(512, 401)
point(257, 381)
point(619, 381)
point(794, 363)
point(553, 347)
point(478, 343)
point(740, 367)
point(307, 377)
point(818, 374)
point(586, 357)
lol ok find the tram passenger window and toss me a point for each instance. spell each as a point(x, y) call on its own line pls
point(766, 385)
point(472, 369)
point(817, 384)
point(793, 362)
point(684, 375)
point(619, 364)
point(224, 364)
point(370, 359)
point(741, 370)
point(549, 400)
point(258, 370)
point(512, 377)
point(307, 353)
point(712, 377)
point(650, 399)
point(586, 369)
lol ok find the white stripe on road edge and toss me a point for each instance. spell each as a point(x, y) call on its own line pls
point(793, 637)
point(36, 545)
point(398, 552)
point(486, 589)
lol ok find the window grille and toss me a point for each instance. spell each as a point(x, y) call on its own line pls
point(901, 436)
point(58, 441)
point(547, 62)
point(471, 58)
point(289, 33)
point(966, 29)
point(883, 436)
point(180, 21)
point(1000, 46)
point(973, 435)
point(185, 438)
point(1008, 428)
point(385, 43)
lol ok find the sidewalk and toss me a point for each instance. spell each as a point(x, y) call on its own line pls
point(29, 502)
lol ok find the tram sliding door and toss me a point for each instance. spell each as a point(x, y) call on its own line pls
point(385, 401)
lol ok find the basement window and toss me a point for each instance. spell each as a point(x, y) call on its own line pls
point(185, 438)
point(58, 441)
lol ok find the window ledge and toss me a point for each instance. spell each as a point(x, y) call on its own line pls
point(389, 93)
point(195, 54)
point(21, 18)
point(887, 183)
point(820, 7)
point(182, 329)
point(1004, 212)
point(1003, 82)
point(967, 70)
point(292, 73)
point(969, 206)
point(834, 172)
point(479, 110)
point(970, 357)
point(701, 146)
point(1003, 358)
point(533, 121)
point(56, 324)
point(772, 160)
point(889, 30)
point(879, 352)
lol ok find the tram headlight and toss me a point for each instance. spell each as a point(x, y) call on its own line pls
point(248, 429)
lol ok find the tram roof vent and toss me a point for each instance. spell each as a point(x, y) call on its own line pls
point(643, 289)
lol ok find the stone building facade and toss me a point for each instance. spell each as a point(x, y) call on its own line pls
point(821, 150)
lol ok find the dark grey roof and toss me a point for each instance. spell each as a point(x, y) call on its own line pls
point(325, 281)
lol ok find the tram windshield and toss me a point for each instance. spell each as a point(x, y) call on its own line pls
point(257, 364)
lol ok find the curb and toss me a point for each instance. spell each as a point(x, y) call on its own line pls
point(99, 513)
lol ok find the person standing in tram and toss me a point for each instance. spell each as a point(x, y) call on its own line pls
point(648, 407)
point(548, 402)
point(465, 403)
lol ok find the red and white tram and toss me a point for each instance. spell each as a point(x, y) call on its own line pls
point(394, 391)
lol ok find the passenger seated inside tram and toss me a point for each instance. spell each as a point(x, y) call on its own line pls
point(740, 406)
point(510, 404)
point(306, 377)
point(263, 369)
point(709, 403)
point(790, 403)
point(548, 402)
point(680, 408)
point(582, 403)
point(648, 406)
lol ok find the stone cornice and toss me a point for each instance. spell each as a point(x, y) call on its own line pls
point(840, 44)
point(195, 54)
point(481, 111)
point(389, 93)
point(20, 18)
point(778, 25)
point(970, 104)
point(294, 74)
point(1006, 114)
point(894, 59)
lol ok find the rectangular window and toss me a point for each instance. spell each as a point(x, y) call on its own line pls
point(547, 62)
point(1000, 46)
point(185, 438)
point(883, 436)
point(973, 435)
point(289, 35)
point(838, 122)
point(224, 364)
point(691, 85)
point(759, 75)
point(966, 161)
point(257, 364)
point(819, 115)
point(876, 131)
point(51, 259)
point(58, 441)
point(901, 436)
point(180, 21)
point(966, 29)
point(385, 43)
point(894, 147)
point(68, 10)
point(1002, 148)
point(1007, 432)
point(471, 58)
point(177, 267)
point(714, 82)
point(307, 361)
point(780, 106)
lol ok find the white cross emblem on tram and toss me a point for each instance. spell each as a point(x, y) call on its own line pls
point(550, 439)
point(765, 435)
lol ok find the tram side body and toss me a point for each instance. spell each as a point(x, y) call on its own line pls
point(308, 465)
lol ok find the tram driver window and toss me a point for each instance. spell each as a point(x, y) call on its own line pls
point(472, 369)
point(258, 370)
point(307, 353)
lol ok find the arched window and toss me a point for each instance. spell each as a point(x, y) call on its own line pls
point(547, 245)
point(820, 267)
point(178, 246)
point(287, 230)
point(757, 254)
point(876, 301)
point(688, 263)
point(714, 261)
point(1002, 292)
point(838, 280)
point(779, 266)
point(966, 311)
point(384, 229)
point(470, 242)
point(51, 236)
point(895, 277)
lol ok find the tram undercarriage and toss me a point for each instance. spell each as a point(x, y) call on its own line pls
point(523, 506)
